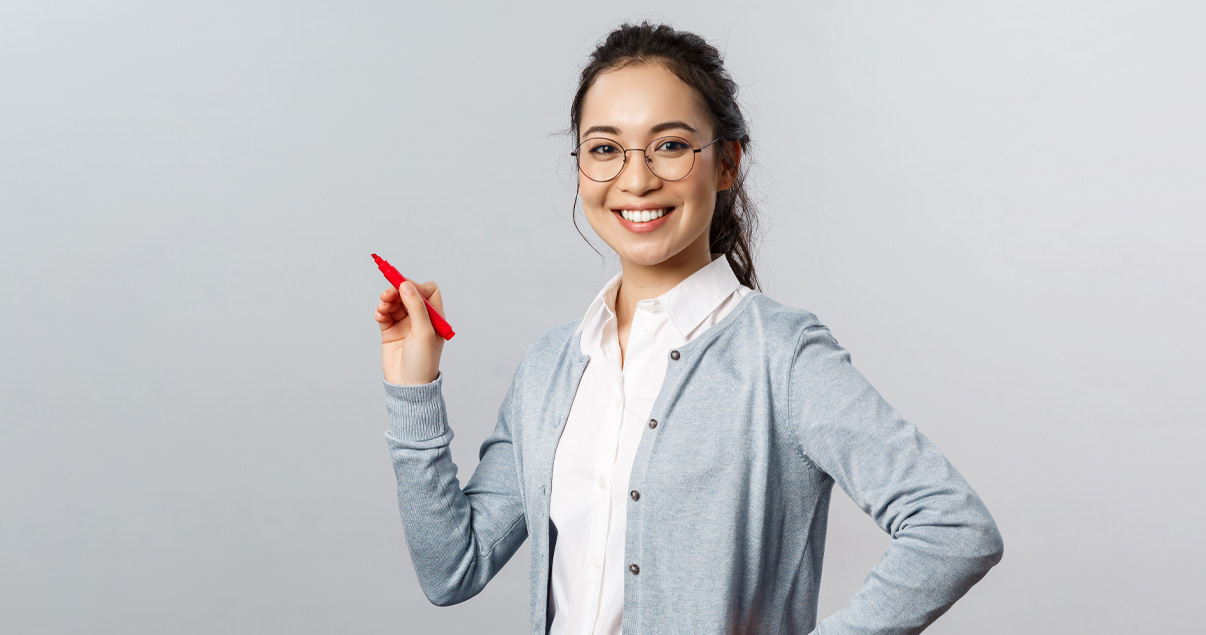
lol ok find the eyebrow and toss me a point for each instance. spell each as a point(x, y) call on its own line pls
point(661, 127)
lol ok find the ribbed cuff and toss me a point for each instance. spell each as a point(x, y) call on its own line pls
point(416, 413)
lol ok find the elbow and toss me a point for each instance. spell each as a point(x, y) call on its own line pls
point(970, 551)
point(442, 598)
point(447, 594)
point(994, 544)
point(981, 539)
point(991, 544)
point(982, 546)
point(973, 542)
point(448, 587)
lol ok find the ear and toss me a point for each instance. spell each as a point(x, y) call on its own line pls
point(728, 171)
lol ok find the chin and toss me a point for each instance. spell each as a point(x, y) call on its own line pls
point(645, 257)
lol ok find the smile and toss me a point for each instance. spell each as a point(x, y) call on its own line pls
point(643, 220)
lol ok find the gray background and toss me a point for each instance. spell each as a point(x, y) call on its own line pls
point(996, 207)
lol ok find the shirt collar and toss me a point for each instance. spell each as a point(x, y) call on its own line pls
point(687, 304)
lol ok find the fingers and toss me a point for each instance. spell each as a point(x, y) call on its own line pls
point(431, 292)
point(389, 309)
point(391, 312)
point(420, 322)
point(392, 308)
point(427, 288)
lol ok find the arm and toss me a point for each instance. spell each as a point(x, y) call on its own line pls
point(943, 538)
point(458, 539)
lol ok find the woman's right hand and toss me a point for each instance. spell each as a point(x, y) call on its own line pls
point(410, 347)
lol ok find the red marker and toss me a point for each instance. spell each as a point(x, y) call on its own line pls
point(396, 279)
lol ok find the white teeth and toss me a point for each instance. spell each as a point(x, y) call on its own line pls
point(644, 216)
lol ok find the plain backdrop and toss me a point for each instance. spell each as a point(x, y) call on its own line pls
point(998, 209)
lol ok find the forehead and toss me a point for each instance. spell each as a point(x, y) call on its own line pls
point(636, 98)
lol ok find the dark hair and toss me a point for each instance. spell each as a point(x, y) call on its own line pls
point(701, 66)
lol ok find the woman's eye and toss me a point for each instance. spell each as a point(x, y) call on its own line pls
point(603, 149)
point(672, 146)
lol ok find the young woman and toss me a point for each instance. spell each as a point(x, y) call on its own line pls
point(672, 452)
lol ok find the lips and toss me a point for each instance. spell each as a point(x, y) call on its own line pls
point(645, 227)
point(643, 208)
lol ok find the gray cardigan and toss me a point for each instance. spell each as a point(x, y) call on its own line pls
point(756, 420)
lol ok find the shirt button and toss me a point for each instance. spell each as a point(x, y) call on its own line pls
point(602, 483)
point(619, 402)
point(634, 569)
point(673, 354)
point(598, 562)
point(635, 495)
point(652, 423)
point(646, 330)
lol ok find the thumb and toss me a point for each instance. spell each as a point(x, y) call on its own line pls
point(413, 300)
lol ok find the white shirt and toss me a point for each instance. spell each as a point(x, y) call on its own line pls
point(595, 452)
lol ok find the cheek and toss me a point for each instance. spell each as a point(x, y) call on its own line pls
point(593, 194)
point(702, 197)
point(705, 206)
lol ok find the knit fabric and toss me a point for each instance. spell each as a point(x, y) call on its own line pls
point(755, 421)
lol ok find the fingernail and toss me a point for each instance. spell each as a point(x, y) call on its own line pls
point(408, 288)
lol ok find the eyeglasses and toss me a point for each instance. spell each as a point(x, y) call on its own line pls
point(669, 158)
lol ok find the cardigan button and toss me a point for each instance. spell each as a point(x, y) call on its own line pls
point(635, 495)
point(652, 423)
point(634, 569)
point(673, 354)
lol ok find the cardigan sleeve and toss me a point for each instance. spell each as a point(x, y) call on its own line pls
point(458, 538)
point(943, 538)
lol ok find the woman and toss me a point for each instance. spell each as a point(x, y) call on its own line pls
point(671, 453)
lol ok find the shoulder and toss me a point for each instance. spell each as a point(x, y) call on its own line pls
point(799, 339)
point(767, 333)
point(781, 323)
point(795, 338)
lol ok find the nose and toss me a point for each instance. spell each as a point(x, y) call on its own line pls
point(635, 176)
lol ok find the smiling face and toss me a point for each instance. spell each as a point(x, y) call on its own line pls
point(633, 106)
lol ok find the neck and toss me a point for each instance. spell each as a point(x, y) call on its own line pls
point(641, 282)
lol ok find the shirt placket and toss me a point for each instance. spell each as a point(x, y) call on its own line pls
point(638, 349)
point(607, 449)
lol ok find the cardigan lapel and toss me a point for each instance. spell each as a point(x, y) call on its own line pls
point(545, 415)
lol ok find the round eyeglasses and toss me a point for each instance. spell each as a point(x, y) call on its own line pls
point(669, 158)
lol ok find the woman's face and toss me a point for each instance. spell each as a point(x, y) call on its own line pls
point(633, 106)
